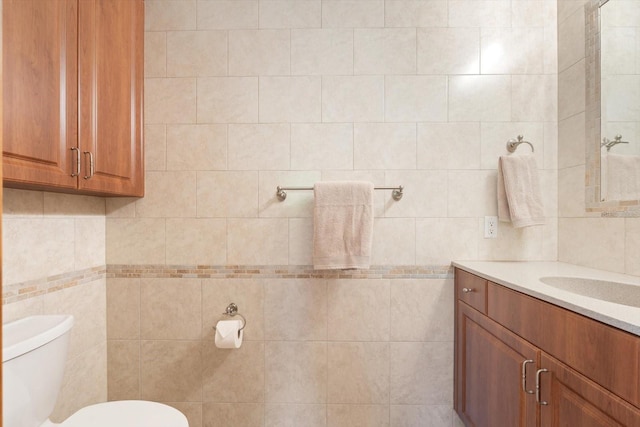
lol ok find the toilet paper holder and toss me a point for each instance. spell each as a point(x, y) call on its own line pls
point(231, 311)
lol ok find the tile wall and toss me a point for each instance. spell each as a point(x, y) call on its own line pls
point(586, 239)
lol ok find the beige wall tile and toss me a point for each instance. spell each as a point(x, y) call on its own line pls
point(551, 145)
point(168, 194)
point(191, 410)
point(494, 137)
point(214, 188)
point(592, 242)
point(632, 246)
point(472, 193)
point(295, 415)
point(290, 14)
point(534, 98)
point(228, 100)
point(171, 370)
point(135, 241)
point(84, 383)
point(352, 14)
point(23, 308)
point(248, 294)
point(16, 203)
point(322, 52)
point(571, 83)
point(358, 372)
point(169, 100)
point(58, 204)
point(352, 98)
point(457, 49)
point(123, 375)
point(233, 414)
point(571, 39)
point(422, 310)
point(512, 51)
point(448, 146)
point(196, 147)
point(259, 52)
point(393, 241)
point(297, 203)
point(540, 13)
point(322, 146)
point(517, 244)
point(290, 99)
point(155, 54)
point(412, 13)
point(440, 240)
point(233, 375)
point(163, 15)
point(479, 98)
point(185, 53)
point(90, 242)
point(155, 148)
point(300, 241)
point(427, 190)
point(36, 248)
point(123, 309)
point(405, 99)
point(384, 145)
point(422, 373)
point(259, 146)
point(170, 309)
point(227, 14)
point(121, 207)
point(571, 202)
point(295, 372)
point(473, 13)
point(358, 415)
point(433, 415)
point(196, 241)
point(384, 51)
point(302, 300)
point(263, 241)
point(361, 304)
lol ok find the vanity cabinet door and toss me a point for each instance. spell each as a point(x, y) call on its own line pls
point(488, 373)
point(574, 400)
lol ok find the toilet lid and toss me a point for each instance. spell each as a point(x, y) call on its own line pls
point(127, 413)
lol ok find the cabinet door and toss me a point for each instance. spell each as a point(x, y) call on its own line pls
point(574, 400)
point(110, 60)
point(489, 363)
point(40, 93)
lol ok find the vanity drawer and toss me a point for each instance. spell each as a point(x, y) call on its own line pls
point(472, 290)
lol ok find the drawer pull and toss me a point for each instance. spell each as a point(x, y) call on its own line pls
point(91, 165)
point(467, 290)
point(77, 172)
point(538, 372)
point(524, 376)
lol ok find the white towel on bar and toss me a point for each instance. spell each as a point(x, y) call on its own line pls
point(622, 172)
point(342, 225)
point(519, 196)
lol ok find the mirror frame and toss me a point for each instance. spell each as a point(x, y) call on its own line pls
point(593, 101)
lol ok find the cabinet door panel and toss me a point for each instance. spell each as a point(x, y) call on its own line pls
point(40, 93)
point(489, 373)
point(110, 61)
point(574, 400)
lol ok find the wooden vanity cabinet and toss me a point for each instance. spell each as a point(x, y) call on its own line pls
point(587, 372)
point(73, 79)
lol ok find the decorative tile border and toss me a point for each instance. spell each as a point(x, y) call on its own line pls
point(33, 288)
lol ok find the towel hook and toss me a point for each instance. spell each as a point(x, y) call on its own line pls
point(232, 310)
point(512, 144)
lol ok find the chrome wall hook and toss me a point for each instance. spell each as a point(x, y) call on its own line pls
point(512, 144)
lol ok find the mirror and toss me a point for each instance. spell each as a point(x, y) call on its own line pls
point(613, 106)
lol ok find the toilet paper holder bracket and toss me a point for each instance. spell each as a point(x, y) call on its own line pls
point(231, 311)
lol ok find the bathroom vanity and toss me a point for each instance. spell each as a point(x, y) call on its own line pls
point(528, 353)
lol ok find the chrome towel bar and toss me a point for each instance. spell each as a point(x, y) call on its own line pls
point(281, 192)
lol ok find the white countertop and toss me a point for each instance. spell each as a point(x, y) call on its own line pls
point(524, 276)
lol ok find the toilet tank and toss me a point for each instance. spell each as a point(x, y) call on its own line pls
point(34, 352)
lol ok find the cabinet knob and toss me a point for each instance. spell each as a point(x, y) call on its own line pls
point(467, 290)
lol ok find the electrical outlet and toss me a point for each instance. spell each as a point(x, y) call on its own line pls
point(490, 227)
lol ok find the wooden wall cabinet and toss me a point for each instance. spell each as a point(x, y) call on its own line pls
point(73, 80)
point(520, 361)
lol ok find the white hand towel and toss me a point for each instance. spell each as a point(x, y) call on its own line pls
point(622, 174)
point(342, 224)
point(519, 196)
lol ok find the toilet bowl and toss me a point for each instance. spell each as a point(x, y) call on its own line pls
point(34, 350)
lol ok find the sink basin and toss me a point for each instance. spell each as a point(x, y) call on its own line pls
point(616, 292)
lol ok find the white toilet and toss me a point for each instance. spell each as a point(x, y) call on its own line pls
point(34, 350)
